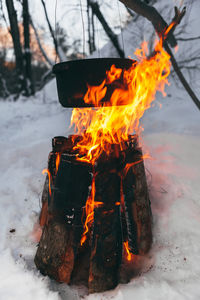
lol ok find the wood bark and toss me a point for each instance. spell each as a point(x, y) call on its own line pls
point(137, 209)
point(106, 249)
point(113, 37)
point(97, 262)
point(62, 231)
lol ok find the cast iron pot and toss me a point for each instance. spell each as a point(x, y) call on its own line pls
point(72, 78)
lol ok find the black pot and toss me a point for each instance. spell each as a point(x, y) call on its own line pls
point(72, 78)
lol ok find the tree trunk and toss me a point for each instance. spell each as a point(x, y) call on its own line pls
point(91, 33)
point(52, 32)
point(16, 43)
point(27, 51)
point(49, 62)
point(108, 30)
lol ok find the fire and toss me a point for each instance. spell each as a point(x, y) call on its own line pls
point(128, 166)
point(102, 127)
point(57, 161)
point(46, 171)
point(89, 211)
point(107, 125)
point(128, 253)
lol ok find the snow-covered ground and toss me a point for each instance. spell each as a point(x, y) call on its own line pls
point(172, 135)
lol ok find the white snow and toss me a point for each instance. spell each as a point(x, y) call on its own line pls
point(172, 135)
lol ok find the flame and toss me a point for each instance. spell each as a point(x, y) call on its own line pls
point(46, 171)
point(128, 253)
point(102, 127)
point(107, 125)
point(57, 161)
point(129, 165)
point(89, 211)
point(169, 28)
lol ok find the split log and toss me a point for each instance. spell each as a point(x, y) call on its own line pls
point(137, 208)
point(106, 248)
point(44, 210)
point(59, 243)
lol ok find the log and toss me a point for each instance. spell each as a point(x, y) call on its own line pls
point(137, 208)
point(62, 231)
point(121, 212)
point(106, 248)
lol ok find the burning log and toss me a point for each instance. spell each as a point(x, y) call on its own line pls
point(120, 211)
point(137, 208)
point(106, 249)
point(111, 177)
point(63, 228)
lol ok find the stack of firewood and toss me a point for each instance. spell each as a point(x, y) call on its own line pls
point(122, 213)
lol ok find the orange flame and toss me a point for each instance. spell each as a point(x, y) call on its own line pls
point(128, 253)
point(129, 165)
point(89, 212)
point(102, 127)
point(57, 161)
point(46, 171)
point(169, 28)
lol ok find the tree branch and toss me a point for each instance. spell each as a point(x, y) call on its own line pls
point(188, 39)
point(151, 14)
point(49, 62)
point(113, 37)
point(51, 31)
point(181, 77)
point(166, 33)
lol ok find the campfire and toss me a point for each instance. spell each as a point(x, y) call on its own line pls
point(95, 206)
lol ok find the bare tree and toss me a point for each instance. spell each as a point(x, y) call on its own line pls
point(160, 26)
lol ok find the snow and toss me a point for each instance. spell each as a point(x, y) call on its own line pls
point(171, 134)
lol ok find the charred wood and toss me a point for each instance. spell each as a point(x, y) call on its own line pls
point(106, 249)
point(62, 231)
